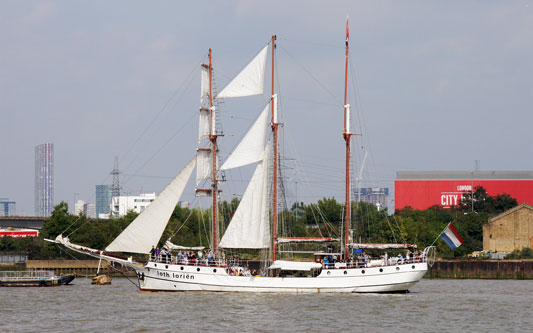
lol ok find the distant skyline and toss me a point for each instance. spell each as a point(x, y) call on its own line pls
point(438, 84)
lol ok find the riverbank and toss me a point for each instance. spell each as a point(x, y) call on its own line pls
point(481, 269)
point(77, 267)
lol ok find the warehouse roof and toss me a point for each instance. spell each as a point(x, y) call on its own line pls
point(464, 175)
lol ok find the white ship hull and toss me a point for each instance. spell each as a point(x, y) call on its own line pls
point(171, 277)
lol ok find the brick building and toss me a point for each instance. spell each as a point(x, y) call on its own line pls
point(509, 231)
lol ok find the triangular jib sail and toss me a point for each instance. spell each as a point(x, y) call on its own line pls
point(250, 80)
point(146, 230)
point(251, 147)
point(249, 228)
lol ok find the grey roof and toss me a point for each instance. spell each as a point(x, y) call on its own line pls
point(464, 175)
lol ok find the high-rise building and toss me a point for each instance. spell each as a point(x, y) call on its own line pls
point(44, 179)
point(89, 210)
point(79, 207)
point(378, 196)
point(103, 199)
point(7, 208)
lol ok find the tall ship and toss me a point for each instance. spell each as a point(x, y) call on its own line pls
point(343, 266)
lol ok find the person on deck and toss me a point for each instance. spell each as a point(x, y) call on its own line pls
point(152, 253)
point(163, 255)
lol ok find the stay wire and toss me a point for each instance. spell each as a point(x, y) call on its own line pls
point(310, 74)
point(164, 107)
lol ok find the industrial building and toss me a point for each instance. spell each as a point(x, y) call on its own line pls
point(121, 205)
point(44, 179)
point(423, 189)
point(511, 230)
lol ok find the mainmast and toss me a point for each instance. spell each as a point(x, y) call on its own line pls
point(347, 138)
point(274, 125)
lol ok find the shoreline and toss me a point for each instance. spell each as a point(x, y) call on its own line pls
point(518, 269)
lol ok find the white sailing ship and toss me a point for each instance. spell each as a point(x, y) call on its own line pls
point(254, 224)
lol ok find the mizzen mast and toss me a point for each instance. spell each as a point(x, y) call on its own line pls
point(347, 138)
point(274, 125)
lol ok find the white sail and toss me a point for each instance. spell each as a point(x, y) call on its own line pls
point(146, 230)
point(250, 80)
point(249, 228)
point(251, 147)
point(203, 165)
point(203, 128)
point(204, 88)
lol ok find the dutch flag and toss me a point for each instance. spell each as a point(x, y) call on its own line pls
point(451, 237)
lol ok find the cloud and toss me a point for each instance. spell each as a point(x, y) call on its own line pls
point(162, 44)
point(43, 12)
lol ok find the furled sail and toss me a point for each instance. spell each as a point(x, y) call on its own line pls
point(249, 228)
point(381, 246)
point(251, 147)
point(250, 80)
point(146, 230)
point(173, 246)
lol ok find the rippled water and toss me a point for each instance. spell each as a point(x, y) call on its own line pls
point(432, 305)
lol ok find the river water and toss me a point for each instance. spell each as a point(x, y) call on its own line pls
point(432, 306)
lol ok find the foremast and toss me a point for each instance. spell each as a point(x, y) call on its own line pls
point(212, 136)
point(274, 125)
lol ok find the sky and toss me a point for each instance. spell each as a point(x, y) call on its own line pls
point(433, 85)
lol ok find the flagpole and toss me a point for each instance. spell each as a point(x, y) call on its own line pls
point(436, 239)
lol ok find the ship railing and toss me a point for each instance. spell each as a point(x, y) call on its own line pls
point(176, 260)
point(377, 262)
point(26, 275)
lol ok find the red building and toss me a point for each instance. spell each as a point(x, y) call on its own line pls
point(423, 189)
point(18, 233)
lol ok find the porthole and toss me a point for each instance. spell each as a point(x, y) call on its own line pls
point(363, 271)
point(345, 272)
point(214, 270)
point(397, 268)
point(181, 267)
point(413, 267)
point(381, 270)
point(198, 269)
point(155, 265)
point(166, 266)
point(329, 272)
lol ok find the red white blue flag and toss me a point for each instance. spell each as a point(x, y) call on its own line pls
point(451, 237)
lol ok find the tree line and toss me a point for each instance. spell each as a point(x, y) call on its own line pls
point(191, 226)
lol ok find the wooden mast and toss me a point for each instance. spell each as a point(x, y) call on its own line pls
point(213, 139)
point(274, 125)
point(347, 139)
